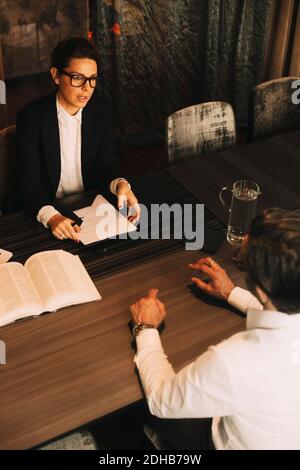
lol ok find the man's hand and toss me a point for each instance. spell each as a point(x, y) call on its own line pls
point(126, 196)
point(219, 284)
point(62, 228)
point(149, 309)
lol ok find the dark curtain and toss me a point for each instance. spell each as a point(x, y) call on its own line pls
point(159, 56)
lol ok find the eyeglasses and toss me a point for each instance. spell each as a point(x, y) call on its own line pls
point(78, 80)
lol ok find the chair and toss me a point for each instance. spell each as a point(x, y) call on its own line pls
point(7, 169)
point(79, 440)
point(200, 129)
point(271, 109)
point(156, 440)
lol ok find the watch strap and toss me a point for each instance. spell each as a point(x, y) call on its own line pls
point(138, 327)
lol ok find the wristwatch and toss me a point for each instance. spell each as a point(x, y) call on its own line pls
point(138, 327)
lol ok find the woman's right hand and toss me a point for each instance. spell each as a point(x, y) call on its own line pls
point(62, 228)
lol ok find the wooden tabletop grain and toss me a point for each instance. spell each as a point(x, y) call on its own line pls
point(272, 163)
point(67, 368)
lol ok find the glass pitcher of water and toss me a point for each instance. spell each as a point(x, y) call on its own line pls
point(241, 210)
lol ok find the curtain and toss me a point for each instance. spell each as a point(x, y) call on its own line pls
point(159, 56)
point(3, 110)
point(283, 40)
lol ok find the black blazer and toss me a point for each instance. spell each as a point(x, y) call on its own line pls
point(38, 150)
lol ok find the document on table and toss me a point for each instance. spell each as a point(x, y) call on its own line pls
point(101, 220)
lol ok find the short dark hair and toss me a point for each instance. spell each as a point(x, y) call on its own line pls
point(74, 48)
point(272, 257)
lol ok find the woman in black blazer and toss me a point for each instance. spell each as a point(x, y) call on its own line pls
point(64, 141)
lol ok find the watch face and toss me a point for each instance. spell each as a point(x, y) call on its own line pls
point(137, 328)
point(140, 327)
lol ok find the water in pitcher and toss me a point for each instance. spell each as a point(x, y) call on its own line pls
point(243, 209)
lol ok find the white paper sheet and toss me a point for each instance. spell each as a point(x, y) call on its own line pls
point(101, 220)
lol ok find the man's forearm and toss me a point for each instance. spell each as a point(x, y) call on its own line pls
point(151, 361)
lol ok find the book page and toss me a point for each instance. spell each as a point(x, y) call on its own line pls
point(60, 279)
point(5, 256)
point(18, 297)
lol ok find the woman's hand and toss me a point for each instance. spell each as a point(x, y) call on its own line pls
point(125, 195)
point(149, 309)
point(62, 228)
point(219, 285)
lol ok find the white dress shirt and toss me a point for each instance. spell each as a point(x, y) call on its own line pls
point(249, 383)
point(70, 157)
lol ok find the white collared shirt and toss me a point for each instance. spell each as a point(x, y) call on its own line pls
point(249, 383)
point(70, 152)
point(70, 156)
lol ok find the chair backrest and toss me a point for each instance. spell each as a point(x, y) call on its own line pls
point(199, 129)
point(7, 168)
point(271, 109)
point(80, 440)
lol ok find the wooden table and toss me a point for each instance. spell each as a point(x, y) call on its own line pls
point(273, 163)
point(67, 368)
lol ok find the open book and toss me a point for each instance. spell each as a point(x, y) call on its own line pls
point(49, 280)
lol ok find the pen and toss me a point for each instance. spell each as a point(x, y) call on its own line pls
point(78, 221)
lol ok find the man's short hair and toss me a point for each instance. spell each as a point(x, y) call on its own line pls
point(74, 48)
point(272, 257)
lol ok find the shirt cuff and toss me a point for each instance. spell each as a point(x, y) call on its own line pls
point(45, 214)
point(148, 339)
point(113, 185)
point(243, 300)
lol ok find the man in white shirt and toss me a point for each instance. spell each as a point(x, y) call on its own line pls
point(248, 384)
point(64, 141)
